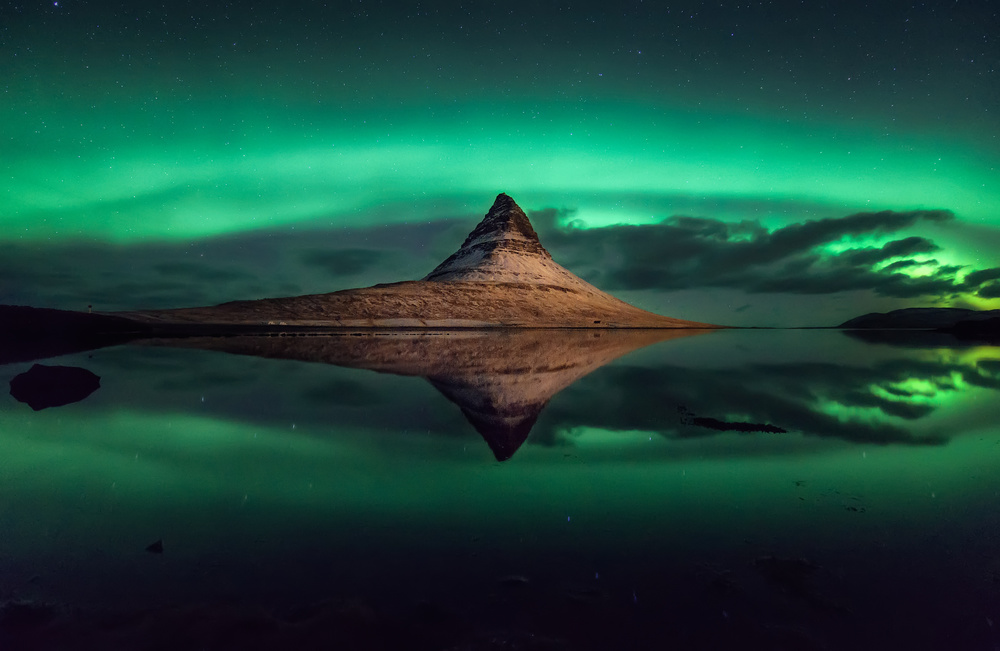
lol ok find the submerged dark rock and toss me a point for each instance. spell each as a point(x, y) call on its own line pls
point(53, 386)
point(736, 426)
point(983, 330)
point(687, 418)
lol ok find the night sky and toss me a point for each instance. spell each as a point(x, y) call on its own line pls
point(762, 163)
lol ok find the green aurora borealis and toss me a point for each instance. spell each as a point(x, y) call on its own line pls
point(142, 139)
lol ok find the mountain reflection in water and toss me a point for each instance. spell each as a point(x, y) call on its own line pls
point(501, 380)
point(652, 501)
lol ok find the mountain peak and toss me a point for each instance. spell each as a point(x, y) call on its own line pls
point(503, 247)
point(507, 223)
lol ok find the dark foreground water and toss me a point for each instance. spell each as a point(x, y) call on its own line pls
point(653, 503)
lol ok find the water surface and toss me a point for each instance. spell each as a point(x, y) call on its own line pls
point(797, 488)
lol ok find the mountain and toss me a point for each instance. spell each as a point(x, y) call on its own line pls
point(501, 276)
point(504, 248)
point(500, 381)
point(918, 317)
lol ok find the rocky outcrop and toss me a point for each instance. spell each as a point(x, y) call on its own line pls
point(41, 386)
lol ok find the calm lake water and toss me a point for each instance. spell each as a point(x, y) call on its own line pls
point(646, 498)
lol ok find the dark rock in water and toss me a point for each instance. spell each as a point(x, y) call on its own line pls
point(984, 330)
point(736, 426)
point(155, 548)
point(53, 386)
point(687, 418)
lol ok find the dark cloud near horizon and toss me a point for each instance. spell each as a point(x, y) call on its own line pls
point(341, 262)
point(259, 264)
point(818, 257)
point(809, 257)
point(199, 272)
point(983, 276)
point(989, 290)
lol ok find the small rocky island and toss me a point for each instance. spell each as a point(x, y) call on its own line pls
point(501, 276)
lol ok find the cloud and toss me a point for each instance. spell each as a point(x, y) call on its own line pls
point(894, 249)
point(344, 262)
point(812, 257)
point(990, 290)
point(199, 272)
point(982, 277)
point(257, 264)
point(821, 399)
point(818, 258)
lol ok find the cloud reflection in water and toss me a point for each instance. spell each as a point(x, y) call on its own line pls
point(503, 384)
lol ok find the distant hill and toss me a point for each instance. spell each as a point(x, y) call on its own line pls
point(918, 317)
point(501, 276)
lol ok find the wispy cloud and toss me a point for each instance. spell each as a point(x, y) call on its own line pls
point(822, 256)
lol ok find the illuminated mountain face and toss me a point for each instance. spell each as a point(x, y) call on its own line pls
point(501, 248)
point(504, 248)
